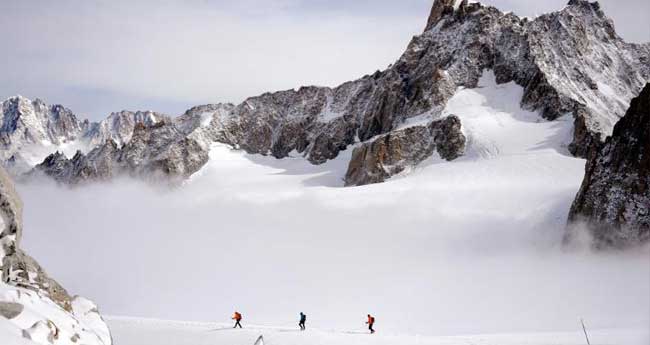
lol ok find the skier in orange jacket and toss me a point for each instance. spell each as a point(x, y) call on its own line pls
point(371, 321)
point(237, 317)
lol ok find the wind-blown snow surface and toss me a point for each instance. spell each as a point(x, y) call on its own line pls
point(466, 247)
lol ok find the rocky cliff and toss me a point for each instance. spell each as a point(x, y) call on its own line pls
point(614, 200)
point(36, 305)
point(395, 152)
point(569, 62)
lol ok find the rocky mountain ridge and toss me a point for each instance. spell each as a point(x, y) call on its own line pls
point(614, 200)
point(31, 130)
point(569, 62)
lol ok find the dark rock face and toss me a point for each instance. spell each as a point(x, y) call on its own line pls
point(157, 152)
point(391, 154)
point(614, 200)
point(438, 10)
point(585, 142)
point(97, 165)
point(162, 151)
point(10, 310)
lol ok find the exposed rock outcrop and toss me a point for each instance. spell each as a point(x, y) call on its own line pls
point(614, 200)
point(10, 310)
point(393, 153)
point(439, 9)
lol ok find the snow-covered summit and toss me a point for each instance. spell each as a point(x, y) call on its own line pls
point(119, 126)
point(569, 62)
point(28, 128)
point(31, 130)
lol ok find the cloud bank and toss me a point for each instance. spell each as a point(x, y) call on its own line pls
point(455, 248)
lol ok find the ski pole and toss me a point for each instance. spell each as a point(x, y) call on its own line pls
point(584, 329)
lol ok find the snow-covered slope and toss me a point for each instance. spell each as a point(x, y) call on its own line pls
point(497, 126)
point(464, 247)
point(44, 322)
point(130, 331)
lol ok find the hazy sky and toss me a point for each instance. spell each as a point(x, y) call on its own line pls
point(100, 56)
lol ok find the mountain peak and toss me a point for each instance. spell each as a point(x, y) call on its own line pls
point(17, 99)
point(595, 5)
point(589, 6)
point(439, 9)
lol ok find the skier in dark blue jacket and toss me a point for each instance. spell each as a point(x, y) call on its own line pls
point(303, 320)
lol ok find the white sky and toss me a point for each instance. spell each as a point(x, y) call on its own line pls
point(100, 56)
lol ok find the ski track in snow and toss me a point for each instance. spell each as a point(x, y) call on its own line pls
point(451, 248)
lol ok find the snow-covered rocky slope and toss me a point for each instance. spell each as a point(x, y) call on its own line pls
point(32, 130)
point(570, 62)
point(34, 309)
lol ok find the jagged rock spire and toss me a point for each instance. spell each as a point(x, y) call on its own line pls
point(439, 9)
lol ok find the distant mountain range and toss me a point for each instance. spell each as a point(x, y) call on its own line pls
point(569, 62)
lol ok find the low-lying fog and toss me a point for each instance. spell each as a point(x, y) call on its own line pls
point(452, 249)
point(472, 246)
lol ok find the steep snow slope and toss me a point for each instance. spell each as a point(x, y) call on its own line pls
point(496, 125)
point(456, 248)
point(155, 332)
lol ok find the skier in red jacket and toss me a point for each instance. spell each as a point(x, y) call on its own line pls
point(237, 317)
point(371, 321)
